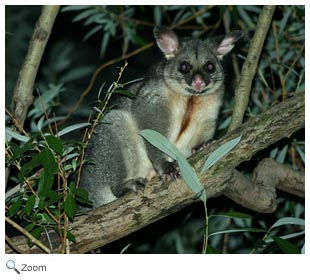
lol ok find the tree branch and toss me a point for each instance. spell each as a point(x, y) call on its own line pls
point(134, 211)
point(22, 96)
point(250, 66)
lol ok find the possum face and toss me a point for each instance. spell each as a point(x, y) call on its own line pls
point(193, 66)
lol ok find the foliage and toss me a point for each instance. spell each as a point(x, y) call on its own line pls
point(41, 191)
point(187, 171)
point(41, 165)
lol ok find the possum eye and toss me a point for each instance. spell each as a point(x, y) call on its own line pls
point(185, 67)
point(210, 67)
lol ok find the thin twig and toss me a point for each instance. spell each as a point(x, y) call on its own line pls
point(28, 235)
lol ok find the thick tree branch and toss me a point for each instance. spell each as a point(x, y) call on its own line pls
point(134, 211)
point(259, 192)
point(22, 96)
point(250, 66)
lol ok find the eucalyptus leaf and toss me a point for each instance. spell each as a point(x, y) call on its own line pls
point(220, 152)
point(187, 171)
point(190, 177)
point(71, 128)
point(75, 8)
point(237, 230)
point(161, 142)
point(287, 236)
point(238, 215)
point(282, 154)
point(286, 246)
point(288, 221)
point(13, 134)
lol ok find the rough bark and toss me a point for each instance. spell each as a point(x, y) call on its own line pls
point(134, 211)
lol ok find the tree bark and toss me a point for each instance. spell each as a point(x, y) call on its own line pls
point(160, 199)
point(22, 96)
point(249, 67)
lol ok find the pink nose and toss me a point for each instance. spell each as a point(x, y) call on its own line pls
point(198, 83)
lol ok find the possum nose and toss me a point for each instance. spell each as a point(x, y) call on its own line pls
point(198, 82)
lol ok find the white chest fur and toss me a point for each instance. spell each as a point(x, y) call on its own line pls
point(194, 120)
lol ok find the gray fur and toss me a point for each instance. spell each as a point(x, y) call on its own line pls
point(182, 106)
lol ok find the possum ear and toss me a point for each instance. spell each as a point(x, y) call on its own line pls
point(166, 40)
point(226, 44)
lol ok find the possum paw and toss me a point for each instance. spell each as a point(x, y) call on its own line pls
point(171, 171)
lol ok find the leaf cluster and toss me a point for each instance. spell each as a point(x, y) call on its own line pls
point(42, 192)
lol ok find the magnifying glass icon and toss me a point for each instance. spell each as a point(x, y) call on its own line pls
point(10, 264)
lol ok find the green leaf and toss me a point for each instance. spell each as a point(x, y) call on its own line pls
point(287, 236)
point(52, 197)
point(30, 204)
point(220, 152)
point(71, 237)
point(282, 154)
point(72, 187)
point(36, 232)
point(124, 92)
point(55, 144)
point(13, 134)
point(45, 183)
point(288, 221)
point(29, 227)
point(286, 246)
point(70, 206)
point(19, 152)
point(42, 204)
point(44, 218)
point(238, 230)
point(81, 193)
point(72, 128)
point(190, 177)
point(16, 206)
point(92, 31)
point(161, 142)
point(84, 14)
point(74, 8)
point(187, 171)
point(45, 158)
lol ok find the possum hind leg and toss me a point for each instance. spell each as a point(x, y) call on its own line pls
point(137, 165)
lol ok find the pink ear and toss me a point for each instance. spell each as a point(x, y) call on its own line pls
point(167, 41)
point(225, 47)
point(226, 44)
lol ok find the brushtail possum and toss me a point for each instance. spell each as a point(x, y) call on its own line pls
point(180, 98)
